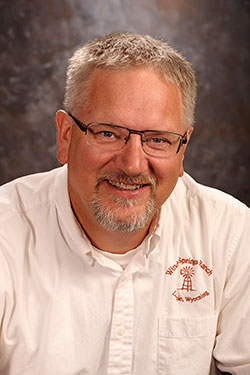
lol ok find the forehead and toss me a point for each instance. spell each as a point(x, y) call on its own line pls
point(131, 96)
point(131, 79)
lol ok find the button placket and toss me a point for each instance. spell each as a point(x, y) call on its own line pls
point(121, 340)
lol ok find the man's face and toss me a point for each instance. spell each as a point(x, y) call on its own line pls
point(120, 190)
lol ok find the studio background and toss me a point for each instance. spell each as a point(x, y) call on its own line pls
point(37, 38)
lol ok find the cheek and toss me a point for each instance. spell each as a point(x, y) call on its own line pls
point(84, 166)
point(85, 163)
point(81, 155)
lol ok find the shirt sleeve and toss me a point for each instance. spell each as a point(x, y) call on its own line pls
point(7, 304)
point(232, 346)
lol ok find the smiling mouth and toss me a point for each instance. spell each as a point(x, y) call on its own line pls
point(124, 186)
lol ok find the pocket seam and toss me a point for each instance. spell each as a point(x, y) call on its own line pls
point(188, 327)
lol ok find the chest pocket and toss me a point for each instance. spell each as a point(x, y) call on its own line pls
point(185, 345)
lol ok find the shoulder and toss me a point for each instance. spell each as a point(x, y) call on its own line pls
point(207, 219)
point(205, 197)
point(28, 192)
point(198, 207)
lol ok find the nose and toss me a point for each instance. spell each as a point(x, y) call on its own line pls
point(131, 159)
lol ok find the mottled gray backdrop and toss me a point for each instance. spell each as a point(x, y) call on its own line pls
point(37, 37)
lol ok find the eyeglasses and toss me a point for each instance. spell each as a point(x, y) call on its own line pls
point(114, 138)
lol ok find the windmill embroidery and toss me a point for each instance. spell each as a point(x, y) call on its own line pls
point(187, 273)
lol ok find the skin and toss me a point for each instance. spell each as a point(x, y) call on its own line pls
point(138, 99)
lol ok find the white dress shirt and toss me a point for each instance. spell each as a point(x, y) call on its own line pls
point(181, 299)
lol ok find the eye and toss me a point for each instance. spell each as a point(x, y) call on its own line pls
point(103, 133)
point(106, 134)
point(158, 142)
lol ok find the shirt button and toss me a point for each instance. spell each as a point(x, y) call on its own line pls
point(121, 330)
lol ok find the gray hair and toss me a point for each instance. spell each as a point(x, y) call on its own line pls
point(127, 50)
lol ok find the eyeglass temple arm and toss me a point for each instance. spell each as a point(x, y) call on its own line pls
point(183, 141)
point(78, 123)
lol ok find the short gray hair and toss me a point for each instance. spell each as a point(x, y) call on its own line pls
point(124, 51)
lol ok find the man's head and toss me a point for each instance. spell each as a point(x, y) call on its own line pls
point(122, 82)
point(120, 51)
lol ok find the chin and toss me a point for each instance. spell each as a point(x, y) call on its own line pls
point(125, 218)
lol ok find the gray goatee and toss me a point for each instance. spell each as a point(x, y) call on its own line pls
point(110, 218)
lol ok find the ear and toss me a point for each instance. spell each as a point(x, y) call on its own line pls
point(189, 132)
point(64, 127)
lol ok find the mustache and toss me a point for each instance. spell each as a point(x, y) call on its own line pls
point(139, 179)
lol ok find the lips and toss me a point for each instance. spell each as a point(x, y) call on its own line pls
point(125, 186)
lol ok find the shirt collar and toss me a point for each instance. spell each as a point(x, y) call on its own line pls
point(70, 228)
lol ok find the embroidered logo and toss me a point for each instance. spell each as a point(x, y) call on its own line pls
point(187, 273)
point(189, 267)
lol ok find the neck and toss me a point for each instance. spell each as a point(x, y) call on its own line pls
point(110, 241)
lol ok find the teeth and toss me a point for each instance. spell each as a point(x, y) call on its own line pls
point(122, 186)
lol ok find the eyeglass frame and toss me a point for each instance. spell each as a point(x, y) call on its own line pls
point(84, 128)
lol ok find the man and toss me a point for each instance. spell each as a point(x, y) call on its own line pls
point(118, 262)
